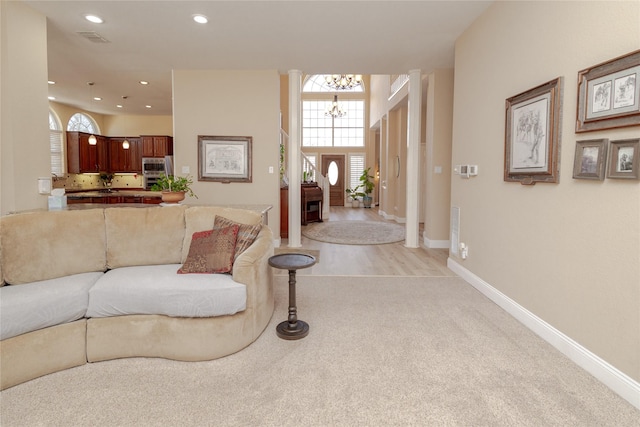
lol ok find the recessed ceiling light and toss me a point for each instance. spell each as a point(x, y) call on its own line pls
point(148, 106)
point(119, 106)
point(144, 82)
point(51, 82)
point(51, 98)
point(200, 19)
point(93, 18)
point(97, 98)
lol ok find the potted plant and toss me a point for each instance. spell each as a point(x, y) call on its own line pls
point(367, 187)
point(107, 179)
point(174, 188)
point(355, 196)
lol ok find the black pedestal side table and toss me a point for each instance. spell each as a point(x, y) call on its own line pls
point(292, 328)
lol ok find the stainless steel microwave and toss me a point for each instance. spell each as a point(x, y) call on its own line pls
point(154, 167)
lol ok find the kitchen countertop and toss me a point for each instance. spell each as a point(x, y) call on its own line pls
point(263, 210)
point(79, 194)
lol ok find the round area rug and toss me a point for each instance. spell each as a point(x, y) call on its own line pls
point(354, 232)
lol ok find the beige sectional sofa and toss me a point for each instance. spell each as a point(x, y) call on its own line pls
point(55, 264)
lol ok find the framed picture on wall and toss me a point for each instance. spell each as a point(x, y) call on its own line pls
point(623, 159)
point(224, 158)
point(532, 134)
point(590, 161)
point(609, 94)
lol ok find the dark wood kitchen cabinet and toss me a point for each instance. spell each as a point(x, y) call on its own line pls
point(82, 200)
point(151, 200)
point(123, 160)
point(83, 157)
point(156, 145)
point(131, 199)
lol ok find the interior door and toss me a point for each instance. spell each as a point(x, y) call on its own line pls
point(337, 189)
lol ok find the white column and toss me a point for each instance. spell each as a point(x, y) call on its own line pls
point(293, 158)
point(413, 159)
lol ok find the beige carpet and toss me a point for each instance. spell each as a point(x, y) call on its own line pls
point(354, 232)
point(382, 351)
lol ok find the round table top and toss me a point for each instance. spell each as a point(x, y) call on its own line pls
point(292, 261)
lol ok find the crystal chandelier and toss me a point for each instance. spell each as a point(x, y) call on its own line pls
point(343, 81)
point(335, 110)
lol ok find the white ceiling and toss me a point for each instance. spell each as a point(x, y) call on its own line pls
point(147, 39)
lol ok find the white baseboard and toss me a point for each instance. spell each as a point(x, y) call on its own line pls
point(387, 216)
point(625, 386)
point(435, 244)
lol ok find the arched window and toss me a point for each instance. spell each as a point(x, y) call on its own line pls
point(55, 144)
point(83, 123)
point(318, 83)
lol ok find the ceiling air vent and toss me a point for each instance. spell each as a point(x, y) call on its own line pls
point(92, 36)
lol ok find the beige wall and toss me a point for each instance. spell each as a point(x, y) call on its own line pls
point(122, 125)
point(230, 103)
point(437, 113)
point(24, 143)
point(437, 134)
point(132, 125)
point(567, 252)
point(64, 113)
point(392, 204)
point(380, 101)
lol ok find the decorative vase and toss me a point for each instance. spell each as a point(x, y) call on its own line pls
point(173, 196)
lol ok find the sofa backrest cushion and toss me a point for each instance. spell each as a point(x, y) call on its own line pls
point(144, 236)
point(246, 233)
point(202, 218)
point(47, 245)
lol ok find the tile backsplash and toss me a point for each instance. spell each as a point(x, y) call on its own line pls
point(92, 181)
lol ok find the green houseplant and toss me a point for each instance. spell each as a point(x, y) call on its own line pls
point(174, 188)
point(367, 185)
point(355, 195)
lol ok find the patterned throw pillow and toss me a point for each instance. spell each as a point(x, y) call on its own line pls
point(246, 233)
point(211, 251)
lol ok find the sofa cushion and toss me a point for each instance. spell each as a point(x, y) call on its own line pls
point(159, 289)
point(247, 233)
point(211, 251)
point(38, 305)
point(144, 236)
point(45, 245)
point(201, 218)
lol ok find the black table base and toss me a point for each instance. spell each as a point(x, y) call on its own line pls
point(295, 331)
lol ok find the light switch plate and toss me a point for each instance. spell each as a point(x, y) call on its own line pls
point(186, 169)
point(44, 185)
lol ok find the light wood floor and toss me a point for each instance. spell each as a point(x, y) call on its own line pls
point(392, 259)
